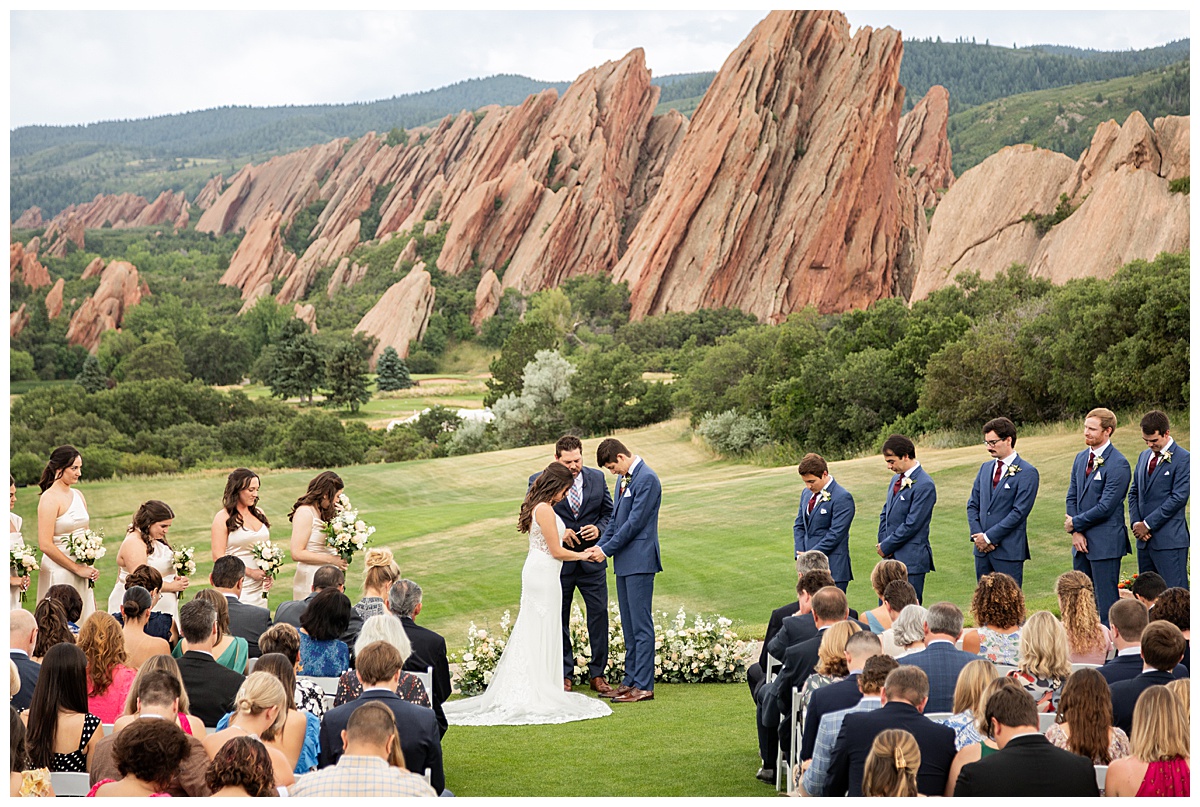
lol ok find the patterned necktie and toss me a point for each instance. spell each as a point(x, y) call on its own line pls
point(812, 502)
point(1154, 461)
point(574, 498)
point(1091, 466)
point(896, 487)
point(996, 475)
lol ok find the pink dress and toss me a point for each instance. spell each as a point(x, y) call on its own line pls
point(1167, 778)
point(92, 793)
point(111, 705)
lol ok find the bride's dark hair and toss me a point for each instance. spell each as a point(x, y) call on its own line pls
point(552, 481)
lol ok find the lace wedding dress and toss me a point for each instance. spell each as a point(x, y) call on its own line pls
point(526, 688)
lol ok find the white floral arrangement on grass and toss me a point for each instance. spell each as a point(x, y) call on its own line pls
point(269, 559)
point(346, 533)
point(22, 560)
point(708, 651)
point(86, 547)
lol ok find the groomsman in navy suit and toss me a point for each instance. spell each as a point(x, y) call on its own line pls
point(907, 510)
point(823, 523)
point(1157, 500)
point(631, 540)
point(585, 511)
point(1096, 508)
point(1001, 500)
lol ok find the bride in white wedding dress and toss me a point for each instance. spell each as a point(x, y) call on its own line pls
point(526, 688)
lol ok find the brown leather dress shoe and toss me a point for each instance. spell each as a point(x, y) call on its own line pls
point(612, 693)
point(566, 685)
point(635, 695)
point(601, 686)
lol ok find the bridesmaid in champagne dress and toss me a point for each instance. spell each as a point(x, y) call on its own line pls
point(308, 517)
point(62, 511)
point(146, 543)
point(16, 583)
point(237, 526)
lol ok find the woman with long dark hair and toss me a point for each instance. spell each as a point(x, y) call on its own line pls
point(237, 526)
point(526, 688)
point(322, 652)
point(62, 511)
point(1085, 720)
point(146, 544)
point(309, 516)
point(53, 628)
point(60, 731)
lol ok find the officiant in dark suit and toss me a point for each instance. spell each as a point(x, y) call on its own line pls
point(585, 511)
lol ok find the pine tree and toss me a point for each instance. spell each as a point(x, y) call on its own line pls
point(346, 375)
point(391, 371)
point(298, 369)
point(91, 377)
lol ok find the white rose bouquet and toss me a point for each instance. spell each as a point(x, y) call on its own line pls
point(22, 561)
point(268, 557)
point(346, 533)
point(184, 563)
point(86, 547)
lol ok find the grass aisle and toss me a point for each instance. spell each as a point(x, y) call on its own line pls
point(691, 740)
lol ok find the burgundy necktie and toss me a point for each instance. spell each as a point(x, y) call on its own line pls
point(812, 502)
point(1154, 462)
point(996, 476)
point(896, 487)
point(1091, 466)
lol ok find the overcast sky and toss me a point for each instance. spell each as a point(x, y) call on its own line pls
point(71, 67)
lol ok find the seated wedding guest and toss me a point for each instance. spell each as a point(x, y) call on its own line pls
point(300, 737)
point(139, 645)
point(428, 647)
point(363, 769)
point(861, 645)
point(242, 768)
point(805, 562)
point(1162, 648)
point(907, 633)
point(382, 571)
point(23, 780)
point(382, 629)
point(379, 666)
point(71, 601)
point(1084, 721)
point(60, 732)
point(1147, 586)
point(1042, 665)
point(870, 683)
point(260, 709)
point(878, 619)
point(800, 626)
point(968, 702)
point(322, 653)
point(157, 696)
point(985, 745)
point(162, 663)
point(245, 621)
point(158, 624)
point(22, 639)
point(231, 652)
point(1088, 639)
point(941, 660)
point(1158, 764)
point(147, 754)
point(832, 665)
point(1026, 764)
point(897, 595)
point(285, 640)
point(1175, 606)
point(325, 577)
point(1128, 619)
point(211, 687)
point(905, 696)
point(108, 676)
point(998, 607)
point(891, 767)
point(51, 619)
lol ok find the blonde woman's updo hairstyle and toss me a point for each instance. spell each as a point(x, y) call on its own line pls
point(892, 764)
point(259, 692)
point(382, 569)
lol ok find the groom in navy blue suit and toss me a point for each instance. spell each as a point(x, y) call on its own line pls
point(1096, 509)
point(907, 511)
point(585, 511)
point(1001, 500)
point(1158, 500)
point(823, 522)
point(631, 540)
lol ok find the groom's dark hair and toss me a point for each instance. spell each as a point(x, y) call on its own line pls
point(608, 450)
point(568, 442)
point(1003, 427)
point(900, 446)
point(812, 464)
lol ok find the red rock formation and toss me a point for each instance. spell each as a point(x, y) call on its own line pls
point(17, 321)
point(401, 313)
point(258, 260)
point(1174, 136)
point(487, 297)
point(30, 219)
point(785, 190)
point(62, 233)
point(54, 299)
point(24, 263)
point(210, 192)
point(93, 269)
point(345, 276)
point(306, 314)
point(119, 290)
point(924, 146)
point(167, 207)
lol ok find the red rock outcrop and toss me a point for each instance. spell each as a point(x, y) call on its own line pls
point(54, 299)
point(168, 207)
point(30, 219)
point(487, 297)
point(23, 263)
point(120, 288)
point(306, 314)
point(17, 321)
point(210, 192)
point(62, 233)
point(924, 150)
point(259, 259)
point(93, 269)
point(785, 190)
point(1174, 136)
point(346, 275)
point(401, 313)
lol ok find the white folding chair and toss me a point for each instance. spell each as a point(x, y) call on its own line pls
point(939, 717)
point(774, 665)
point(1101, 776)
point(106, 728)
point(70, 784)
point(783, 771)
point(427, 679)
point(250, 665)
point(1045, 721)
point(327, 684)
point(1081, 666)
point(429, 776)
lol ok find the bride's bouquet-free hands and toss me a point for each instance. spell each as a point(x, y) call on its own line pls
point(86, 547)
point(22, 561)
point(269, 559)
point(346, 533)
point(184, 563)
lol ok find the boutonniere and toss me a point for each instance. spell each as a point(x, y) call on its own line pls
point(906, 482)
point(1012, 469)
point(622, 483)
point(1099, 463)
point(1166, 456)
point(825, 496)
